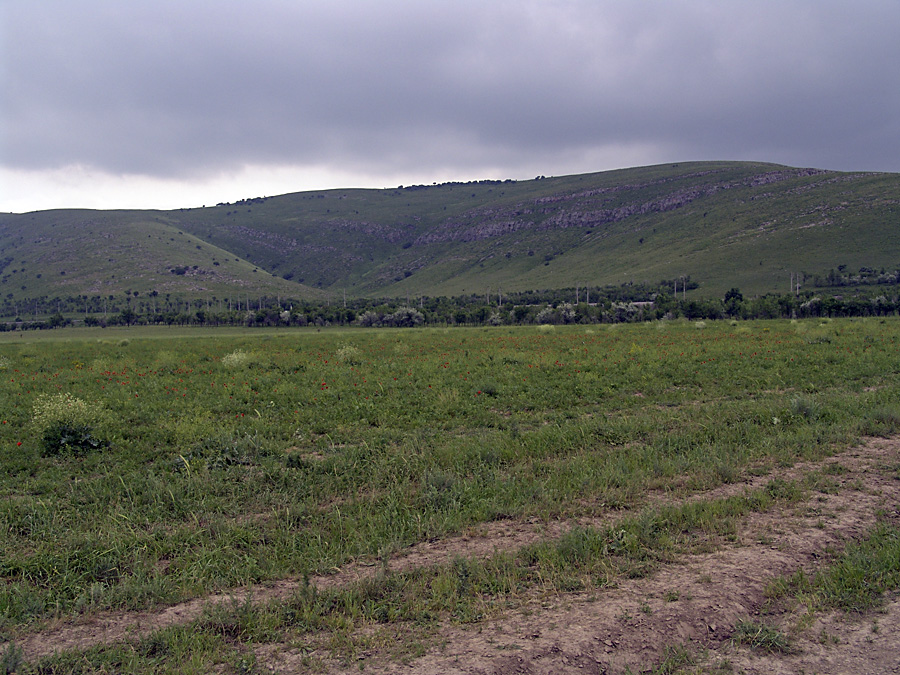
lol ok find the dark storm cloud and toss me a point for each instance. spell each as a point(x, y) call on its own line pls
point(188, 88)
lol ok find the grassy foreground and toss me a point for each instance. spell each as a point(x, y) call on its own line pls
point(235, 458)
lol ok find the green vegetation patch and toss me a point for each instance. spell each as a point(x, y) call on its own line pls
point(857, 580)
point(762, 637)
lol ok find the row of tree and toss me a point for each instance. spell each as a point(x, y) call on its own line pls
point(155, 304)
point(517, 309)
point(864, 276)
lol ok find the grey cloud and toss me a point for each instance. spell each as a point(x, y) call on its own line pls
point(184, 88)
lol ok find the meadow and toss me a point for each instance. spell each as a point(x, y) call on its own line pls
point(145, 468)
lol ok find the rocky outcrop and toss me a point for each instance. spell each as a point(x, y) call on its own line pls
point(579, 209)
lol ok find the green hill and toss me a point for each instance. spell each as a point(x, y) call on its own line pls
point(81, 252)
point(724, 224)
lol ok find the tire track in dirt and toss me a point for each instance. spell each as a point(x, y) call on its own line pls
point(481, 541)
point(695, 602)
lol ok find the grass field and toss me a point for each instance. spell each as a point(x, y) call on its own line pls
point(146, 468)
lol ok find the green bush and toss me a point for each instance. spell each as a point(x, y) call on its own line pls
point(236, 359)
point(78, 439)
point(67, 424)
point(64, 408)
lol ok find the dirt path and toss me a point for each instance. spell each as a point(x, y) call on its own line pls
point(696, 602)
point(107, 627)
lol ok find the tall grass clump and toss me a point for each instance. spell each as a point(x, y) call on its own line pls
point(762, 637)
point(805, 408)
point(67, 423)
point(882, 421)
point(349, 354)
point(236, 359)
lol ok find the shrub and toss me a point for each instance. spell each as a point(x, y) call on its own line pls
point(405, 317)
point(805, 408)
point(66, 423)
point(546, 316)
point(348, 354)
point(236, 359)
point(369, 319)
point(75, 438)
point(64, 408)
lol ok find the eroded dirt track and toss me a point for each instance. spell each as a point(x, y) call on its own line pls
point(694, 603)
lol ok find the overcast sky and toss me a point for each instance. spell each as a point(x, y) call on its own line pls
point(163, 104)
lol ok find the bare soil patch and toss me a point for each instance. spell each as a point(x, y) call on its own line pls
point(834, 644)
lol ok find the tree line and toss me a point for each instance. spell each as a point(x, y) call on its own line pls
point(584, 305)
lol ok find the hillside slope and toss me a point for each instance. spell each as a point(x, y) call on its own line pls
point(89, 253)
point(724, 224)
